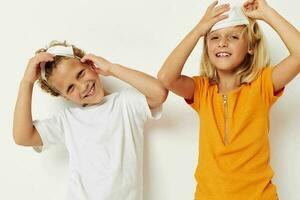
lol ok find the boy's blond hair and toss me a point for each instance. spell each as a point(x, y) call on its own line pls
point(49, 66)
point(252, 64)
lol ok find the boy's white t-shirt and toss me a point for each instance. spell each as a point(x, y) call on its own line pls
point(105, 145)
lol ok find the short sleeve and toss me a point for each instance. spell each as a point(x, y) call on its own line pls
point(267, 87)
point(195, 103)
point(50, 131)
point(136, 103)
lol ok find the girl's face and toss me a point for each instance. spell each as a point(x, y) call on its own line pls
point(77, 82)
point(227, 48)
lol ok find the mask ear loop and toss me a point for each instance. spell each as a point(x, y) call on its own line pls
point(43, 77)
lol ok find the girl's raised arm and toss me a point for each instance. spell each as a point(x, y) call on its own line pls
point(170, 73)
point(288, 68)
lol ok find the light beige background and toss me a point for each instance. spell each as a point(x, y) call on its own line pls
point(139, 34)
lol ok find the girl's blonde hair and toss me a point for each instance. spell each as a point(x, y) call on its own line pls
point(252, 64)
point(49, 66)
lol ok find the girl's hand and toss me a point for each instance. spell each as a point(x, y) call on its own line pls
point(33, 70)
point(255, 9)
point(101, 65)
point(213, 15)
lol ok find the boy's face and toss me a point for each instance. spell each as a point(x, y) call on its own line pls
point(227, 48)
point(77, 82)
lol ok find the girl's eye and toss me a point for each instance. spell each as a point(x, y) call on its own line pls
point(234, 37)
point(214, 38)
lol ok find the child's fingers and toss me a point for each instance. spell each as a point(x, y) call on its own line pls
point(42, 57)
point(88, 57)
point(219, 18)
point(248, 3)
point(221, 10)
point(222, 6)
point(212, 5)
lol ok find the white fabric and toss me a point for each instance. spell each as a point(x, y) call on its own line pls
point(57, 50)
point(61, 51)
point(105, 144)
point(236, 15)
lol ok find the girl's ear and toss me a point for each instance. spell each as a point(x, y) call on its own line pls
point(250, 51)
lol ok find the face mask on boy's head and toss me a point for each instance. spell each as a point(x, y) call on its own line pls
point(236, 15)
point(58, 50)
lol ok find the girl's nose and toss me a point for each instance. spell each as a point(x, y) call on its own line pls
point(223, 42)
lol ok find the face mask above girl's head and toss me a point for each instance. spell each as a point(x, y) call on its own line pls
point(235, 45)
point(67, 76)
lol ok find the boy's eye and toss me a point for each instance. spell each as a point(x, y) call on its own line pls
point(81, 74)
point(70, 89)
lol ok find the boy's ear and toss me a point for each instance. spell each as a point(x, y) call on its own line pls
point(95, 69)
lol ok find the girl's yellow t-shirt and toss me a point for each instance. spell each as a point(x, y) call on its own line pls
point(234, 150)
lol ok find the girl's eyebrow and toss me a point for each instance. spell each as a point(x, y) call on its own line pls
point(236, 32)
point(212, 34)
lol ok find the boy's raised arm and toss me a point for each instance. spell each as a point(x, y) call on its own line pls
point(24, 132)
point(153, 90)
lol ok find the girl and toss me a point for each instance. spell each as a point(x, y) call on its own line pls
point(233, 96)
point(104, 138)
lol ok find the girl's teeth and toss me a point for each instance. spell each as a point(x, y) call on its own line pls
point(223, 54)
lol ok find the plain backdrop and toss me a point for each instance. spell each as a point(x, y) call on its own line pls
point(139, 34)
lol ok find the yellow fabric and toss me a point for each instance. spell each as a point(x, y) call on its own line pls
point(241, 169)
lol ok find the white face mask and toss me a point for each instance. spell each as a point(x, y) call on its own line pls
point(236, 15)
point(57, 51)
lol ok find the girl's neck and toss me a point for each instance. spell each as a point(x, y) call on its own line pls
point(227, 82)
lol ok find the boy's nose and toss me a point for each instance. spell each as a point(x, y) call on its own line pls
point(82, 87)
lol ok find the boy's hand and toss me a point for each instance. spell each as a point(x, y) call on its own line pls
point(255, 9)
point(33, 70)
point(213, 15)
point(101, 65)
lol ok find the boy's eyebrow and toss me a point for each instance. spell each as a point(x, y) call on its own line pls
point(79, 73)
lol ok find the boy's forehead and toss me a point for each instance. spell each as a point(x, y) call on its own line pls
point(68, 66)
point(65, 71)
